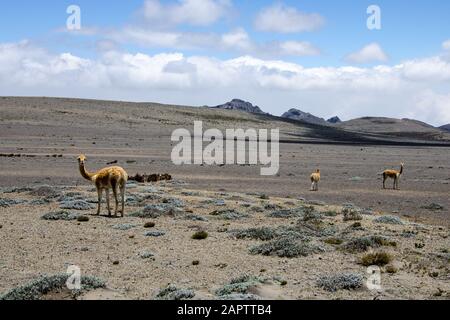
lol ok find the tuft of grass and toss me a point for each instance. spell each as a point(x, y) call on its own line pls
point(154, 234)
point(240, 285)
point(171, 292)
point(60, 215)
point(391, 269)
point(364, 243)
point(149, 225)
point(200, 235)
point(263, 233)
point(343, 281)
point(333, 241)
point(379, 258)
point(286, 247)
point(77, 205)
point(37, 288)
point(351, 214)
point(146, 254)
point(83, 219)
point(389, 220)
point(330, 213)
point(229, 214)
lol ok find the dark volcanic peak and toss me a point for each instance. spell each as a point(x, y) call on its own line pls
point(445, 127)
point(334, 120)
point(237, 104)
point(296, 114)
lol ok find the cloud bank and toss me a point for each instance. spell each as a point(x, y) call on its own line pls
point(414, 88)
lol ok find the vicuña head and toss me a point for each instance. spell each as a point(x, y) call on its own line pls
point(114, 178)
point(315, 178)
point(393, 174)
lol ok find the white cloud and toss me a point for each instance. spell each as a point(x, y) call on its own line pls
point(434, 69)
point(284, 19)
point(370, 53)
point(446, 45)
point(298, 48)
point(276, 85)
point(237, 39)
point(190, 12)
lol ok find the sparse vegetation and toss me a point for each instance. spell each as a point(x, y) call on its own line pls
point(287, 247)
point(389, 220)
point(364, 243)
point(240, 285)
point(149, 225)
point(154, 211)
point(154, 234)
point(83, 219)
point(343, 281)
point(263, 233)
point(60, 215)
point(333, 241)
point(391, 269)
point(77, 205)
point(124, 226)
point(299, 212)
point(10, 202)
point(200, 235)
point(229, 214)
point(171, 292)
point(351, 214)
point(379, 258)
point(433, 207)
point(37, 288)
point(146, 254)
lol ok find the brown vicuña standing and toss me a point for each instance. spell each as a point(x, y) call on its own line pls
point(393, 174)
point(315, 178)
point(114, 178)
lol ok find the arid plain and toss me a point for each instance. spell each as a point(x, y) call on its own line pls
point(42, 137)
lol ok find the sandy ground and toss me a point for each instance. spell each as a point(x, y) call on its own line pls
point(49, 134)
point(32, 246)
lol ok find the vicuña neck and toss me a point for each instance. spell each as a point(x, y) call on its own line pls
point(84, 173)
point(401, 169)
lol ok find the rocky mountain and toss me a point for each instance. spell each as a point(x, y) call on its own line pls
point(334, 120)
point(295, 114)
point(237, 104)
point(446, 127)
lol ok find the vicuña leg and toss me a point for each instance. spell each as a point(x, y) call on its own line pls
point(116, 199)
point(122, 194)
point(108, 202)
point(99, 194)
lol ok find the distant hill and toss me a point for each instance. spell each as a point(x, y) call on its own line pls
point(295, 114)
point(237, 104)
point(334, 120)
point(36, 116)
point(394, 127)
point(446, 127)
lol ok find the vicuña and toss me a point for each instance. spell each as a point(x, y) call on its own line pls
point(114, 178)
point(393, 174)
point(315, 178)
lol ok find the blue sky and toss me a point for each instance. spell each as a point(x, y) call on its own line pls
point(320, 46)
point(410, 29)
